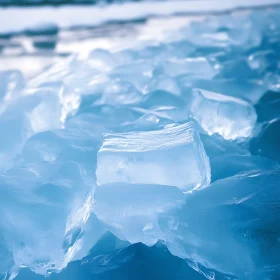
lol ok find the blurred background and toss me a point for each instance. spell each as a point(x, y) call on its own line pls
point(37, 33)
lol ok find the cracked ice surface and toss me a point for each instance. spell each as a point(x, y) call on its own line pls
point(172, 141)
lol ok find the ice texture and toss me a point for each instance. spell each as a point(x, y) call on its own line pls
point(160, 157)
point(145, 150)
point(10, 83)
point(230, 117)
point(266, 143)
point(230, 228)
point(45, 214)
point(131, 210)
point(196, 67)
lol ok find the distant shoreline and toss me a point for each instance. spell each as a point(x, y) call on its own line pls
point(68, 16)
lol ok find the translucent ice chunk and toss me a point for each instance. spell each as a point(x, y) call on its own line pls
point(161, 52)
point(172, 156)
point(149, 121)
point(245, 36)
point(220, 32)
point(237, 68)
point(158, 98)
point(131, 211)
point(113, 258)
point(268, 107)
point(101, 60)
point(78, 77)
point(228, 165)
point(78, 142)
point(216, 146)
point(267, 142)
point(10, 83)
point(272, 80)
point(27, 116)
point(247, 89)
point(262, 59)
point(163, 82)
point(228, 116)
point(124, 57)
point(120, 93)
point(139, 73)
point(166, 104)
point(110, 117)
point(194, 66)
point(228, 158)
point(233, 226)
point(6, 257)
point(47, 207)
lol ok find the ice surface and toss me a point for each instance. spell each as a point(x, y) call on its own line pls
point(164, 83)
point(268, 107)
point(262, 59)
point(149, 121)
point(197, 67)
point(250, 90)
point(227, 158)
point(138, 73)
point(273, 81)
point(166, 104)
point(131, 210)
point(28, 115)
point(228, 165)
point(236, 33)
point(156, 157)
point(233, 226)
point(110, 260)
point(101, 59)
point(115, 145)
point(120, 93)
point(215, 145)
point(228, 116)
point(10, 83)
point(266, 143)
point(45, 214)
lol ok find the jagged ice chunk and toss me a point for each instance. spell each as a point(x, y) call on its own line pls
point(131, 211)
point(230, 117)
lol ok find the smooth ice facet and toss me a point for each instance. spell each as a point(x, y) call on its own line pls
point(228, 116)
point(131, 210)
point(101, 59)
point(228, 165)
point(172, 156)
point(120, 93)
point(196, 67)
point(163, 83)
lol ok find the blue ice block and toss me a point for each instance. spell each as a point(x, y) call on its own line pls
point(172, 156)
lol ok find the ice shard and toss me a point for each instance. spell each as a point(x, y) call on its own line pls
point(230, 117)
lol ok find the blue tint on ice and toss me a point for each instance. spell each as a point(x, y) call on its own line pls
point(158, 161)
point(157, 157)
point(233, 226)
